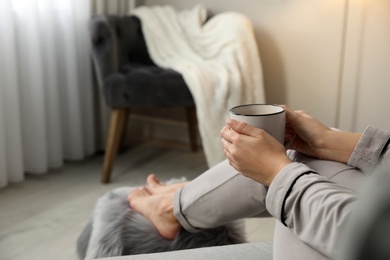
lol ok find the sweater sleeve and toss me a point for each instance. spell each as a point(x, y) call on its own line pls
point(371, 150)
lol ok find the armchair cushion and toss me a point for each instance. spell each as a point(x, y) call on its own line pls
point(115, 229)
point(146, 86)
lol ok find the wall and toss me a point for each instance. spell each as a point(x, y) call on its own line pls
point(366, 76)
point(300, 43)
point(329, 57)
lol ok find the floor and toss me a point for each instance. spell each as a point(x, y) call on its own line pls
point(42, 217)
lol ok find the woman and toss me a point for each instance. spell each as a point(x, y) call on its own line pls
point(310, 190)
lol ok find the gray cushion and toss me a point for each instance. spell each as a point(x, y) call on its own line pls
point(115, 229)
point(146, 86)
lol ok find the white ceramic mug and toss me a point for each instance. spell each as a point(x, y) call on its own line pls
point(270, 118)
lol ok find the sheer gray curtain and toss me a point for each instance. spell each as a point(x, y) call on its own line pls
point(46, 113)
point(119, 7)
point(47, 107)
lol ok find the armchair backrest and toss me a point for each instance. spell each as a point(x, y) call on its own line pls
point(117, 41)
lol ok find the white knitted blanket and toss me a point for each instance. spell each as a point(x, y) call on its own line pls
point(218, 59)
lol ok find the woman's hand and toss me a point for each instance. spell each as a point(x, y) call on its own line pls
point(253, 152)
point(309, 136)
point(306, 134)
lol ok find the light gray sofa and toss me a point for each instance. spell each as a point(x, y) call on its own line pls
point(247, 251)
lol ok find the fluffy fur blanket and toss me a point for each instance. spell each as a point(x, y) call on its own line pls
point(115, 230)
point(218, 59)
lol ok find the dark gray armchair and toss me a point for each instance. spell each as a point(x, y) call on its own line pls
point(128, 78)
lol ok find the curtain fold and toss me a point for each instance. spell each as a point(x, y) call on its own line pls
point(118, 7)
point(11, 154)
point(46, 96)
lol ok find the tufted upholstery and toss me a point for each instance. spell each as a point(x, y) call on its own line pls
point(127, 74)
point(128, 78)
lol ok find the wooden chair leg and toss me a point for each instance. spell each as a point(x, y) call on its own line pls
point(192, 127)
point(117, 120)
point(122, 138)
